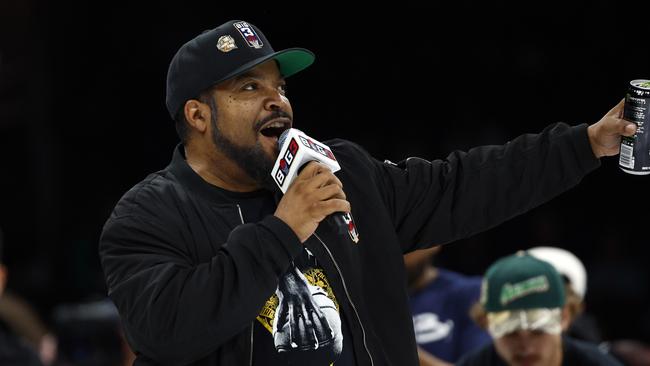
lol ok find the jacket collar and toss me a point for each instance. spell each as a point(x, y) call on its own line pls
point(195, 183)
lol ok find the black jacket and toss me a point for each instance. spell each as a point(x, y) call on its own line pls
point(189, 274)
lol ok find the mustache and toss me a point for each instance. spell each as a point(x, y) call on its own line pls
point(276, 114)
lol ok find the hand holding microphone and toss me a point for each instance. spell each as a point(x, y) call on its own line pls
point(310, 194)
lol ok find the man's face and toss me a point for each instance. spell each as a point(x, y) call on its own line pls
point(252, 112)
point(530, 348)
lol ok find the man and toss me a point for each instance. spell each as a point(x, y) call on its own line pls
point(194, 254)
point(524, 300)
point(440, 303)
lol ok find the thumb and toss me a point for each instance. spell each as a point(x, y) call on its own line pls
point(625, 128)
point(621, 127)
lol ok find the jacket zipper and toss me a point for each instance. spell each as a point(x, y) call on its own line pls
point(347, 294)
point(250, 358)
point(251, 355)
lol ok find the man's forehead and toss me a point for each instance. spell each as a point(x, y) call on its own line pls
point(266, 70)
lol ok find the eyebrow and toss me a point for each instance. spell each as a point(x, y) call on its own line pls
point(250, 74)
point(247, 74)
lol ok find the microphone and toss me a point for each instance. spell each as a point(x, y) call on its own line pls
point(296, 150)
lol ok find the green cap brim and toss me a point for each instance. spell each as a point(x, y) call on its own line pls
point(542, 319)
point(293, 60)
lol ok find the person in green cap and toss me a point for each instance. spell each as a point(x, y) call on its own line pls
point(523, 298)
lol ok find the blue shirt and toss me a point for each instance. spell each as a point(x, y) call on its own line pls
point(441, 318)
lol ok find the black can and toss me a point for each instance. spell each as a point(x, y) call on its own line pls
point(635, 151)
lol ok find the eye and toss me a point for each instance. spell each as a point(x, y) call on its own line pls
point(250, 86)
point(283, 89)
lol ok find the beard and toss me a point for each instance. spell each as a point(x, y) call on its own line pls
point(253, 160)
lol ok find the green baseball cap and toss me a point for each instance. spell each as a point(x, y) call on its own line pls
point(522, 292)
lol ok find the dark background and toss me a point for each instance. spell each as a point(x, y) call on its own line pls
point(82, 119)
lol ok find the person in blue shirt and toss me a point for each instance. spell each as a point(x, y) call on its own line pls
point(440, 303)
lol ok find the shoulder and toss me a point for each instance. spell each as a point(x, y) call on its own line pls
point(460, 282)
point(577, 351)
point(353, 156)
point(356, 163)
point(346, 148)
point(458, 277)
point(151, 194)
point(149, 212)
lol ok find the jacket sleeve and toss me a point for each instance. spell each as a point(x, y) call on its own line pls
point(436, 202)
point(176, 312)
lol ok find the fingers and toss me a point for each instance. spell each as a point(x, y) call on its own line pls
point(293, 326)
point(323, 179)
point(282, 314)
point(298, 330)
point(621, 126)
point(328, 192)
point(318, 175)
point(320, 328)
point(321, 187)
point(309, 327)
point(324, 208)
point(312, 169)
point(325, 330)
point(316, 193)
point(302, 333)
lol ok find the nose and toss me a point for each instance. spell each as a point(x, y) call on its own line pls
point(275, 100)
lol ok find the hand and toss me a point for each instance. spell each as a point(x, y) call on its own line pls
point(605, 135)
point(300, 322)
point(315, 193)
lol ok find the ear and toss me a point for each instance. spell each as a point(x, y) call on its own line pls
point(197, 115)
point(566, 318)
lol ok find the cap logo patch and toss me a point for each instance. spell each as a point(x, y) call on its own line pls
point(249, 35)
point(512, 292)
point(226, 44)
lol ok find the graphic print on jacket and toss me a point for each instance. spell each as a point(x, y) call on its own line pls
point(303, 316)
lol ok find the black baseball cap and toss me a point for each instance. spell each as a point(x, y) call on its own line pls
point(222, 53)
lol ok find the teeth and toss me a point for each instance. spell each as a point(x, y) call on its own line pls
point(275, 124)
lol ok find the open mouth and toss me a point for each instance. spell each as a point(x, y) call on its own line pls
point(275, 128)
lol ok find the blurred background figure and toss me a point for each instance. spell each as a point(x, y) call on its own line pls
point(581, 325)
point(523, 299)
point(630, 351)
point(440, 302)
point(14, 350)
point(25, 323)
point(90, 334)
